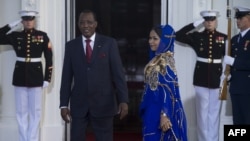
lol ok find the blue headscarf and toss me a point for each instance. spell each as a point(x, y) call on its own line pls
point(167, 40)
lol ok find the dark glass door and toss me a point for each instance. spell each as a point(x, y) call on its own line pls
point(129, 22)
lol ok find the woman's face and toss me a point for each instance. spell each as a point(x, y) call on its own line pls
point(154, 40)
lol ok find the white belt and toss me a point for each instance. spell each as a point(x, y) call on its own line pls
point(28, 59)
point(208, 60)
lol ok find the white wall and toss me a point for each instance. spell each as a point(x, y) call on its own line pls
point(8, 126)
point(52, 21)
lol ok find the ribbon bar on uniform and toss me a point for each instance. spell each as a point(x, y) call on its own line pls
point(208, 60)
point(28, 59)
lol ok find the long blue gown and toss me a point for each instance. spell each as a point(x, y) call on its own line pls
point(161, 94)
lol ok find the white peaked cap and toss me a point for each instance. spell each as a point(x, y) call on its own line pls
point(28, 13)
point(209, 13)
point(241, 9)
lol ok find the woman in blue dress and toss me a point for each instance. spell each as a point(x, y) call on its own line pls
point(161, 110)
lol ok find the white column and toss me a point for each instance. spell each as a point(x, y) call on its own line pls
point(8, 126)
point(185, 58)
point(52, 21)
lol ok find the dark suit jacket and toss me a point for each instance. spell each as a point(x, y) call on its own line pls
point(240, 71)
point(93, 87)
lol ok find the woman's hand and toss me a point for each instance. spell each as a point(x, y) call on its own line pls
point(165, 123)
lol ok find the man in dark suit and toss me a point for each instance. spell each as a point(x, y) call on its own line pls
point(239, 61)
point(28, 78)
point(209, 46)
point(92, 83)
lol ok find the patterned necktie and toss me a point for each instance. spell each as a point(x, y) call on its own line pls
point(88, 50)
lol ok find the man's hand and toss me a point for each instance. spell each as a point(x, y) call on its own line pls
point(65, 114)
point(15, 23)
point(228, 60)
point(123, 110)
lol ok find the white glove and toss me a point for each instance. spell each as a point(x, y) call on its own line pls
point(45, 84)
point(222, 78)
point(198, 22)
point(15, 23)
point(229, 77)
point(228, 60)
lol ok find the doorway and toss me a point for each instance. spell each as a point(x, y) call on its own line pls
point(129, 22)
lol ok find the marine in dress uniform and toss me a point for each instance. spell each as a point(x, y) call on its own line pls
point(209, 46)
point(28, 77)
point(239, 61)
